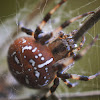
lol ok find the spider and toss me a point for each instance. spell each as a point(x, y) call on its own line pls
point(41, 59)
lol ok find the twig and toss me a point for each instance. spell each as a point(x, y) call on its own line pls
point(81, 94)
point(87, 25)
point(65, 95)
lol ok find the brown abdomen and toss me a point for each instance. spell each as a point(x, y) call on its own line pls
point(31, 63)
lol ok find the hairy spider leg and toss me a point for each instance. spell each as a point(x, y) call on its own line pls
point(52, 89)
point(77, 77)
point(71, 47)
point(87, 25)
point(61, 64)
point(64, 36)
point(26, 30)
point(55, 34)
point(63, 47)
point(70, 42)
point(65, 62)
point(46, 18)
point(39, 28)
point(76, 49)
point(81, 44)
point(69, 84)
point(44, 38)
point(55, 85)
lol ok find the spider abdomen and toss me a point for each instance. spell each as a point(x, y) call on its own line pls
point(31, 63)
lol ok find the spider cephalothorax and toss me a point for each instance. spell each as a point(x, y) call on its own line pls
point(37, 60)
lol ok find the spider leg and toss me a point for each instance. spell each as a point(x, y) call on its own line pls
point(63, 63)
point(26, 30)
point(52, 89)
point(63, 47)
point(81, 44)
point(77, 77)
point(44, 37)
point(55, 34)
point(76, 49)
point(87, 25)
point(69, 84)
point(46, 18)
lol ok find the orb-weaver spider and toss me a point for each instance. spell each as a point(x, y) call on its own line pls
point(38, 60)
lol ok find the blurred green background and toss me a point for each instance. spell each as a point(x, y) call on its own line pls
point(12, 11)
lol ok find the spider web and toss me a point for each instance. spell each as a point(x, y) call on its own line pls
point(88, 65)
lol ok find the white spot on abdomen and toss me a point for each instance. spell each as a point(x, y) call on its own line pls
point(40, 54)
point(13, 53)
point(37, 74)
point(42, 58)
point(29, 69)
point(34, 49)
point(45, 77)
point(24, 56)
point(46, 63)
point(46, 82)
point(26, 48)
point(24, 41)
point(35, 68)
point(46, 69)
point(36, 56)
point(32, 61)
point(16, 59)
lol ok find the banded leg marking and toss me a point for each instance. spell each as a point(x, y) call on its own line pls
point(44, 38)
point(76, 49)
point(84, 78)
point(81, 44)
point(65, 24)
point(52, 89)
point(26, 30)
point(61, 64)
point(77, 77)
point(46, 18)
point(69, 84)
